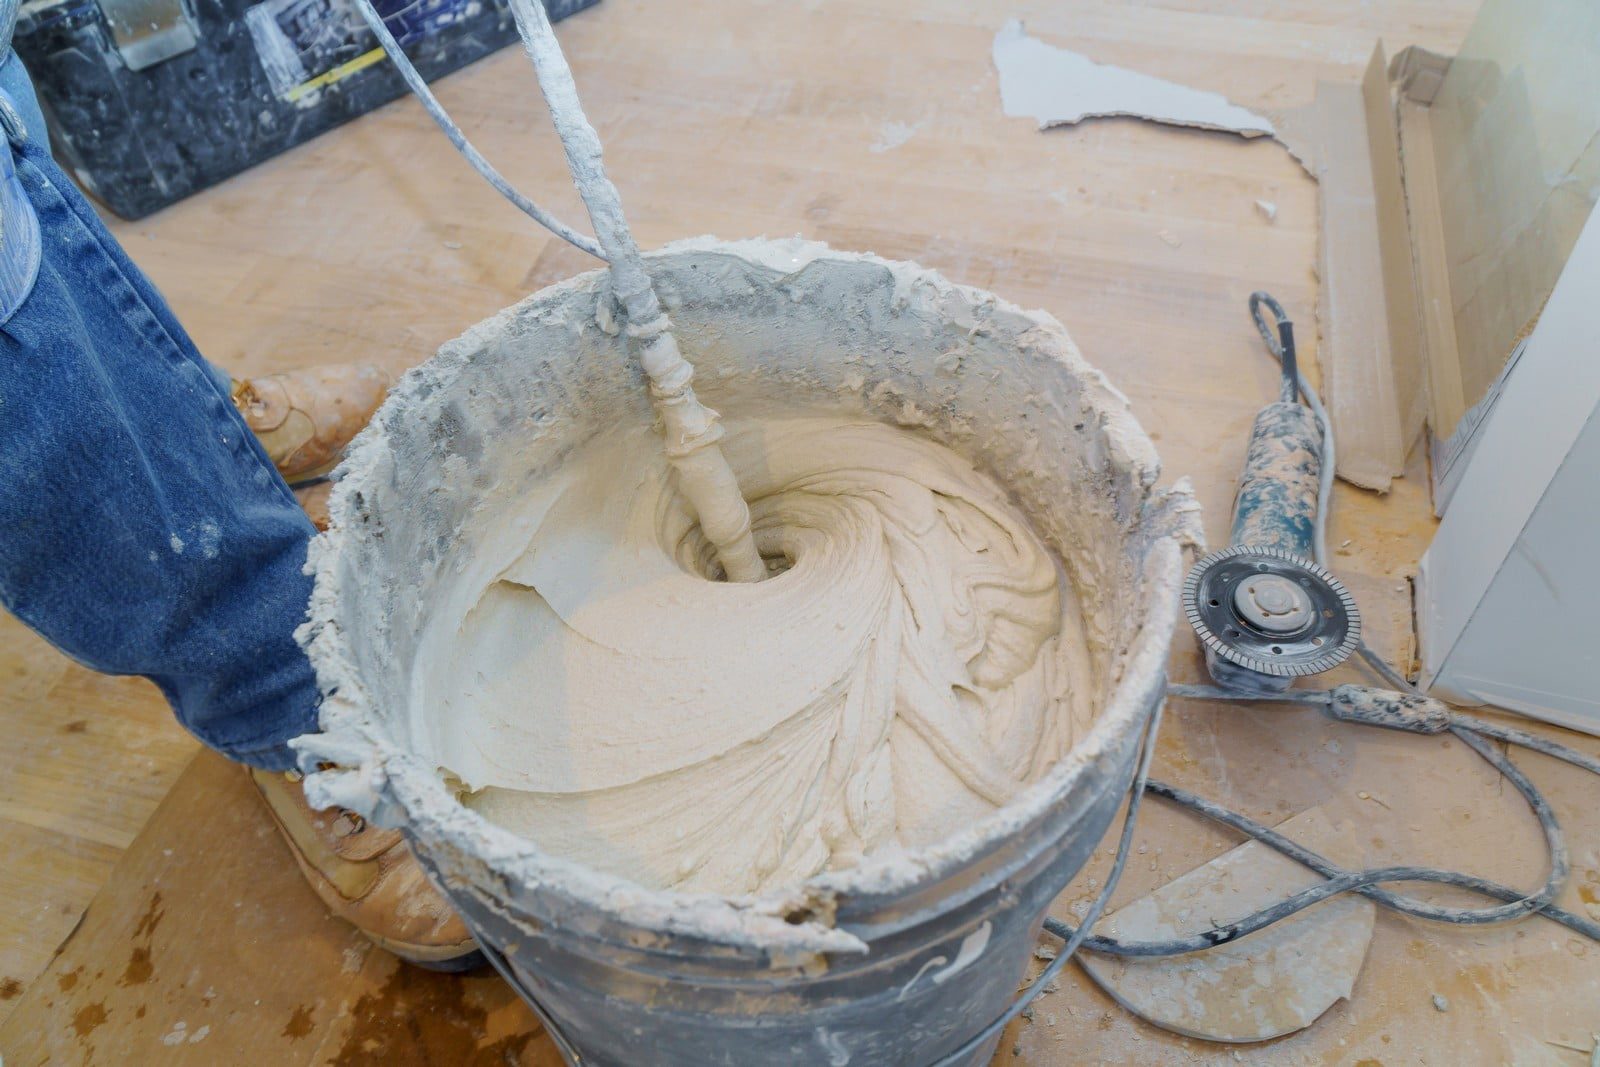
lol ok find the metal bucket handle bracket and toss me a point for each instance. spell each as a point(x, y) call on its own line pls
point(569, 1054)
point(148, 32)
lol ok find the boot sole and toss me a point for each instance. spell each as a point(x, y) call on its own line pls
point(452, 960)
point(315, 474)
point(472, 961)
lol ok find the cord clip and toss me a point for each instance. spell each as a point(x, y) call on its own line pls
point(1385, 707)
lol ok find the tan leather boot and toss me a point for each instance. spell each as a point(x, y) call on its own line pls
point(305, 418)
point(313, 500)
point(369, 878)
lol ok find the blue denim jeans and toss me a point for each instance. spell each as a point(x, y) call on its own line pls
point(142, 528)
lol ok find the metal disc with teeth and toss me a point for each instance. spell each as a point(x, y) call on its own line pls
point(1271, 611)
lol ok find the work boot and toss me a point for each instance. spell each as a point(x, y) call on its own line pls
point(305, 418)
point(313, 500)
point(369, 878)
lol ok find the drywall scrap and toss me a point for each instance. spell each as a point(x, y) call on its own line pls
point(1058, 87)
point(1272, 982)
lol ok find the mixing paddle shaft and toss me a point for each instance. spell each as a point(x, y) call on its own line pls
point(692, 430)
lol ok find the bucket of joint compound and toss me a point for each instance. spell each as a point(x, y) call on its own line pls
point(902, 956)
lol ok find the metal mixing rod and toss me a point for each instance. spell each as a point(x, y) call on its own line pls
point(1266, 611)
point(692, 431)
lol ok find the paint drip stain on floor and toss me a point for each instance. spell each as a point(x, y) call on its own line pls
point(152, 918)
point(418, 1017)
point(140, 969)
point(299, 1024)
point(89, 1018)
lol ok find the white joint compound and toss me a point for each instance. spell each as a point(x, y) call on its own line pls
point(918, 663)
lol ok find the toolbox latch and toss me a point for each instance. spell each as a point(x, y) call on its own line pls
point(148, 32)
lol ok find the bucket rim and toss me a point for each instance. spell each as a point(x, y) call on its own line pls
point(354, 762)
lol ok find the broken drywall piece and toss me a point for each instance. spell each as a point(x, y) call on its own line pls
point(1269, 983)
point(1298, 129)
point(1060, 87)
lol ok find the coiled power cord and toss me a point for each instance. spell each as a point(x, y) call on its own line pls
point(1408, 709)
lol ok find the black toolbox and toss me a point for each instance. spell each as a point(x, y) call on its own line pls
point(151, 100)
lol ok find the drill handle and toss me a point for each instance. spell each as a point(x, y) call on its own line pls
point(1277, 502)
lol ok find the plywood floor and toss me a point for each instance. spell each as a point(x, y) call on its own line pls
point(870, 125)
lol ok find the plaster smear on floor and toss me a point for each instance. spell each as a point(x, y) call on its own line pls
point(919, 661)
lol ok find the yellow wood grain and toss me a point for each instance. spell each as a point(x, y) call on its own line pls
point(86, 758)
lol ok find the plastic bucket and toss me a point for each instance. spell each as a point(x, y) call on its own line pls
point(885, 963)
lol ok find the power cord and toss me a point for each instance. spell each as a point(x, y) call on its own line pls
point(1408, 709)
point(1516, 904)
point(442, 119)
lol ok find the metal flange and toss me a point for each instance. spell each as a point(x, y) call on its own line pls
point(1271, 611)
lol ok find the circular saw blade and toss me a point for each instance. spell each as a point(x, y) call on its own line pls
point(1208, 600)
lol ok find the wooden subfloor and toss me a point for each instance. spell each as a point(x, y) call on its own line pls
point(872, 125)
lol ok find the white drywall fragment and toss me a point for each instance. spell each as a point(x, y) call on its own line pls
point(1060, 87)
point(1273, 982)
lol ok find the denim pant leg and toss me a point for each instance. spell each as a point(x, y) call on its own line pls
point(142, 528)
